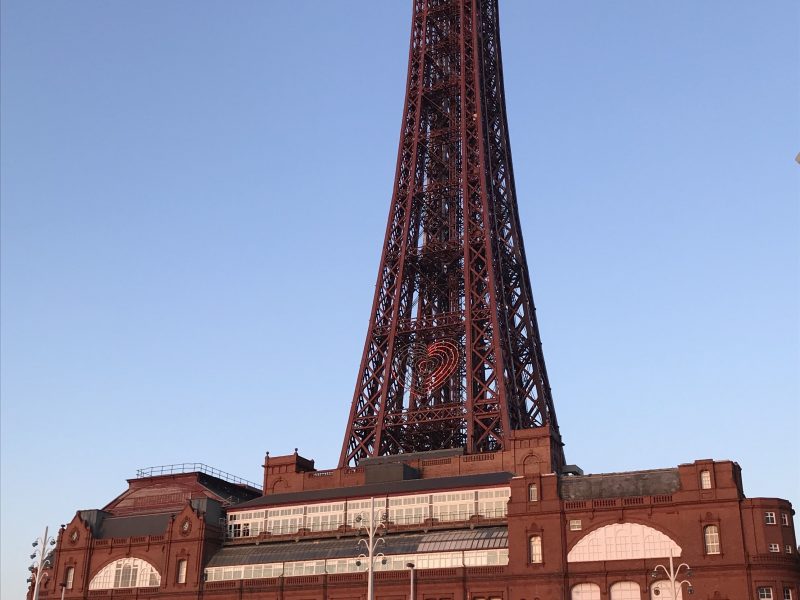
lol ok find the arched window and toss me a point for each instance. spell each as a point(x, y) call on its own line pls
point(126, 573)
point(705, 480)
point(625, 590)
point(586, 591)
point(623, 541)
point(711, 539)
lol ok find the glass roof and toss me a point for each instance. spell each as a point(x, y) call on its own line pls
point(440, 541)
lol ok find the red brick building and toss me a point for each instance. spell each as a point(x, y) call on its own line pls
point(452, 449)
point(498, 525)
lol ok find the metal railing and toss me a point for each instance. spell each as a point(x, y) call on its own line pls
point(180, 468)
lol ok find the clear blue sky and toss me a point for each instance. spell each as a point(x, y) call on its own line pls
point(194, 196)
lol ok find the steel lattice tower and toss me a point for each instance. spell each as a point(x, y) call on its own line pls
point(452, 356)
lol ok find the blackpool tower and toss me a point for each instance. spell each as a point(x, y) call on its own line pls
point(453, 357)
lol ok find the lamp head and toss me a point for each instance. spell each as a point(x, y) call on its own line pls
point(691, 590)
point(689, 573)
point(654, 574)
point(410, 565)
point(358, 563)
point(36, 543)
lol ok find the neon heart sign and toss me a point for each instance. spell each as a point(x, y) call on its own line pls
point(429, 366)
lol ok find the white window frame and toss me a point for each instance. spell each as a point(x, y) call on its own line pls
point(784, 519)
point(407, 515)
point(769, 518)
point(126, 572)
point(535, 549)
point(533, 493)
point(180, 570)
point(623, 541)
point(625, 590)
point(705, 479)
point(458, 505)
point(711, 542)
point(493, 503)
point(789, 549)
point(575, 525)
point(787, 593)
point(69, 577)
point(361, 507)
point(774, 547)
point(585, 591)
point(764, 593)
point(328, 516)
point(394, 562)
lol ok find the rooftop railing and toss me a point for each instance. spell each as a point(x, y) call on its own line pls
point(180, 468)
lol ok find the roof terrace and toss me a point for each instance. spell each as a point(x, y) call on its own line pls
point(181, 468)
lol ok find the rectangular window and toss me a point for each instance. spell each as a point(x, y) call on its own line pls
point(769, 518)
point(575, 525)
point(180, 576)
point(784, 519)
point(453, 506)
point(765, 593)
point(493, 503)
point(533, 493)
point(774, 548)
point(711, 538)
point(787, 593)
point(69, 577)
point(788, 548)
point(705, 480)
point(536, 549)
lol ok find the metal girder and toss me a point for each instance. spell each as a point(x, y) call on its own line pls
point(453, 356)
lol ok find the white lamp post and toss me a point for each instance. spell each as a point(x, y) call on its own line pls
point(673, 574)
point(411, 594)
point(371, 524)
point(41, 561)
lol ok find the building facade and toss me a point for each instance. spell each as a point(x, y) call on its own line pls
point(487, 526)
point(452, 481)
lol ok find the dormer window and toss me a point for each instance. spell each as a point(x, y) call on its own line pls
point(705, 480)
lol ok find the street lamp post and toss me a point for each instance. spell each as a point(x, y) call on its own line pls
point(41, 561)
point(673, 574)
point(411, 594)
point(371, 525)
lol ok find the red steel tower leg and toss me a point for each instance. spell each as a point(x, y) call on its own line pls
point(452, 357)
